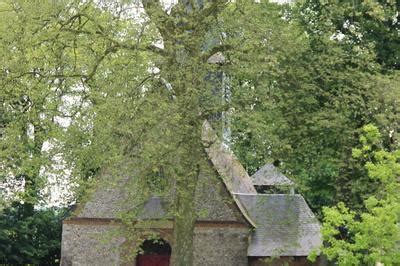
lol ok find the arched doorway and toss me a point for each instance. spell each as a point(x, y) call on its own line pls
point(155, 253)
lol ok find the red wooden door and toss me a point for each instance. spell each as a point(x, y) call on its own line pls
point(153, 260)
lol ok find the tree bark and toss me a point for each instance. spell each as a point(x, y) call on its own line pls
point(185, 219)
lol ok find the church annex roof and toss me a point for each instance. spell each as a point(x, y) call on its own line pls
point(285, 225)
point(268, 175)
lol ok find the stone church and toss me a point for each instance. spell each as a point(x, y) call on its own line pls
point(243, 220)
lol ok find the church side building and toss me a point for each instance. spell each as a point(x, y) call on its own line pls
point(237, 225)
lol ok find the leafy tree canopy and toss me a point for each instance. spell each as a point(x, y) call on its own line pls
point(363, 238)
point(103, 90)
point(30, 236)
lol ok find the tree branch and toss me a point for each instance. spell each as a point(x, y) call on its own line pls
point(214, 8)
point(157, 15)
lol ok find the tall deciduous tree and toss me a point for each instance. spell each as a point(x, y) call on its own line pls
point(108, 85)
point(130, 98)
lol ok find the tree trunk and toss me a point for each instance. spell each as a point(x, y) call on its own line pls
point(184, 33)
point(185, 218)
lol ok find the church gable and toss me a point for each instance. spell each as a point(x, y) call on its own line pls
point(109, 200)
point(213, 200)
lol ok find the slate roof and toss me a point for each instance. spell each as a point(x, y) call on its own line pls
point(285, 225)
point(268, 175)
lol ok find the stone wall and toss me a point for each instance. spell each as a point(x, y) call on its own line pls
point(214, 244)
point(287, 261)
point(221, 246)
point(89, 245)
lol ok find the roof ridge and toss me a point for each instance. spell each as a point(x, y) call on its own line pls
point(228, 167)
point(269, 175)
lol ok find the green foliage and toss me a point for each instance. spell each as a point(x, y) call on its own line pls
point(299, 97)
point(124, 109)
point(364, 238)
point(29, 236)
point(47, 53)
point(298, 94)
point(358, 24)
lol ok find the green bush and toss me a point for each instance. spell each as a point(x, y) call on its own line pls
point(30, 236)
